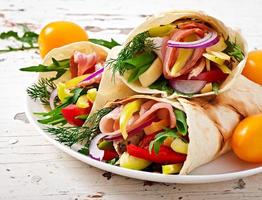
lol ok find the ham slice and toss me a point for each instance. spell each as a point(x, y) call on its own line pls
point(81, 63)
point(108, 124)
point(172, 53)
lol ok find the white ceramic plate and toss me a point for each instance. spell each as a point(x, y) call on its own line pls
point(227, 167)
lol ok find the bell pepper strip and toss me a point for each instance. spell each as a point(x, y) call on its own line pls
point(165, 155)
point(83, 102)
point(224, 69)
point(72, 83)
point(126, 114)
point(109, 154)
point(71, 112)
point(213, 58)
point(91, 94)
point(161, 31)
point(63, 92)
point(215, 75)
point(156, 126)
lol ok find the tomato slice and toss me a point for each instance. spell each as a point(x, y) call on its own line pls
point(71, 111)
point(212, 76)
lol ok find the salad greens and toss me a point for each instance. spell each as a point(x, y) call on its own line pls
point(60, 67)
point(105, 43)
point(234, 50)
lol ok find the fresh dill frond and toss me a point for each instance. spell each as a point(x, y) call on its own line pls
point(41, 90)
point(140, 43)
point(73, 135)
point(234, 50)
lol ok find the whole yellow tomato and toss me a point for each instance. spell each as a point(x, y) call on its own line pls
point(247, 139)
point(59, 33)
point(253, 68)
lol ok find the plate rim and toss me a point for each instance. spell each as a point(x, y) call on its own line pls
point(140, 175)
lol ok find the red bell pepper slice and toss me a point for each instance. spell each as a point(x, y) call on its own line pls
point(109, 154)
point(144, 143)
point(212, 76)
point(71, 111)
point(165, 155)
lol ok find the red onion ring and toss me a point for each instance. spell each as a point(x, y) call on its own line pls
point(132, 132)
point(94, 151)
point(210, 39)
point(52, 99)
point(187, 86)
point(93, 75)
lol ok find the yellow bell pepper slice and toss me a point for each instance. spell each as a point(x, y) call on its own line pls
point(179, 146)
point(131, 162)
point(220, 46)
point(213, 58)
point(207, 88)
point(183, 56)
point(220, 55)
point(91, 94)
point(126, 114)
point(224, 69)
point(63, 92)
point(74, 82)
point(171, 169)
point(156, 126)
point(161, 31)
point(82, 102)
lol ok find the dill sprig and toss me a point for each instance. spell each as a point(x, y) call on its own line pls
point(234, 50)
point(140, 43)
point(41, 90)
point(73, 135)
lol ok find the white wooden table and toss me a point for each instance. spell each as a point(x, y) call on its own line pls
point(31, 168)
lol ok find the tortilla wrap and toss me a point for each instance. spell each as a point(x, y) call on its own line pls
point(65, 52)
point(245, 96)
point(209, 138)
point(169, 17)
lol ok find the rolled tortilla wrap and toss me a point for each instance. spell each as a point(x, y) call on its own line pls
point(207, 138)
point(170, 17)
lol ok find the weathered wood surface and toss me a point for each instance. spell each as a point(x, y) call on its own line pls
point(31, 168)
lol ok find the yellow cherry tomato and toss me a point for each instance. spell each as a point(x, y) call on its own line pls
point(247, 139)
point(253, 68)
point(59, 33)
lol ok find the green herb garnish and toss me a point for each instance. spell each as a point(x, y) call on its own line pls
point(41, 90)
point(28, 40)
point(139, 44)
point(234, 50)
point(181, 124)
point(60, 67)
point(73, 135)
point(105, 43)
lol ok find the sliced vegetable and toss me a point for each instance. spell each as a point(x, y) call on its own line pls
point(224, 69)
point(187, 86)
point(52, 99)
point(183, 56)
point(171, 169)
point(207, 88)
point(91, 94)
point(152, 73)
point(94, 151)
point(215, 75)
point(213, 58)
point(210, 39)
point(72, 83)
point(131, 162)
point(109, 154)
point(105, 43)
point(71, 111)
point(156, 126)
point(63, 92)
point(179, 146)
point(221, 55)
point(161, 31)
point(165, 155)
point(105, 145)
point(219, 46)
point(126, 114)
point(208, 65)
point(83, 102)
point(93, 75)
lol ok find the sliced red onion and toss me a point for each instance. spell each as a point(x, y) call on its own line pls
point(187, 86)
point(94, 151)
point(52, 99)
point(132, 132)
point(93, 75)
point(210, 39)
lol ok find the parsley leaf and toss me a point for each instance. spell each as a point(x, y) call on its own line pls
point(234, 50)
